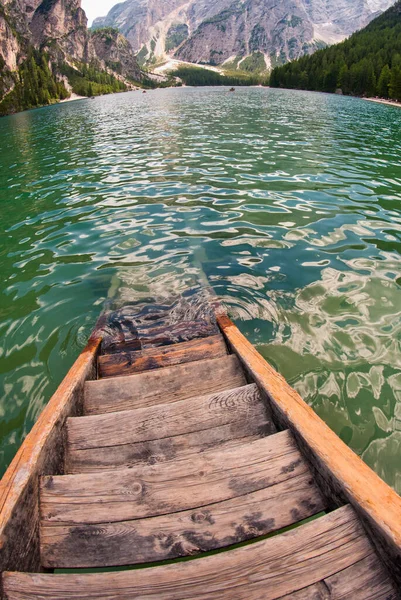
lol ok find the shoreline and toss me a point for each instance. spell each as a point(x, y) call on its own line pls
point(72, 98)
point(382, 101)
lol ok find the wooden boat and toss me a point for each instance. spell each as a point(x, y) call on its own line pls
point(171, 439)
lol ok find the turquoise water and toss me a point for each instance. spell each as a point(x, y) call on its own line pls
point(289, 203)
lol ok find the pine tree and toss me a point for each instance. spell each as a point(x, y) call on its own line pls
point(395, 83)
point(384, 82)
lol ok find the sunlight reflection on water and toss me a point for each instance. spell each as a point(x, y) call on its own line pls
point(287, 202)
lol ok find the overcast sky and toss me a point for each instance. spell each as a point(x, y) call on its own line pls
point(97, 8)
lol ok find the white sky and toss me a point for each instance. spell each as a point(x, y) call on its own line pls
point(97, 8)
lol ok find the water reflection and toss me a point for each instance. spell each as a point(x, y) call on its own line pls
point(286, 202)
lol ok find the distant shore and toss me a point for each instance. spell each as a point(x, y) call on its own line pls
point(73, 97)
point(382, 101)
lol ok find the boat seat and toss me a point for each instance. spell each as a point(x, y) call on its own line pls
point(164, 432)
point(164, 385)
point(329, 557)
point(129, 362)
point(189, 505)
point(136, 336)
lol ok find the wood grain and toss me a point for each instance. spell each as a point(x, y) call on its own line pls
point(213, 476)
point(42, 452)
point(364, 580)
point(182, 533)
point(165, 420)
point(140, 336)
point(128, 363)
point(167, 449)
point(166, 431)
point(264, 570)
point(341, 474)
point(163, 385)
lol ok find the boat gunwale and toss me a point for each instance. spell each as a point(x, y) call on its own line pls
point(340, 473)
point(41, 451)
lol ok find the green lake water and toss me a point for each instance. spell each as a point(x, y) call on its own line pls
point(288, 202)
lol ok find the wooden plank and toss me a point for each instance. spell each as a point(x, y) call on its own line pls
point(339, 471)
point(166, 431)
point(264, 570)
point(364, 580)
point(182, 533)
point(166, 420)
point(166, 449)
point(42, 452)
point(128, 363)
point(163, 385)
point(317, 591)
point(148, 337)
point(214, 476)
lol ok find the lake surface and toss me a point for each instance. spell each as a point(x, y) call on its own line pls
point(289, 203)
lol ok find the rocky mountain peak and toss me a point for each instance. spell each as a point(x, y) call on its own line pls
point(218, 31)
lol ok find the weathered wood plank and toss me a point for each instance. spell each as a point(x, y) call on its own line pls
point(128, 363)
point(182, 533)
point(341, 474)
point(148, 337)
point(365, 580)
point(166, 420)
point(42, 452)
point(166, 449)
point(163, 385)
point(211, 477)
point(166, 431)
point(317, 591)
point(264, 570)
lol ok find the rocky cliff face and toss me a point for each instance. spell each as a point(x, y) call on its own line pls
point(114, 52)
point(59, 28)
point(215, 31)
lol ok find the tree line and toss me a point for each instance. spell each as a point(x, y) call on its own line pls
point(366, 64)
point(34, 85)
point(197, 76)
point(88, 80)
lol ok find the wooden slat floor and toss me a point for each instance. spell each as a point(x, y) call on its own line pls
point(177, 455)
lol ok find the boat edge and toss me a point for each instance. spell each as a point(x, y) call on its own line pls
point(340, 473)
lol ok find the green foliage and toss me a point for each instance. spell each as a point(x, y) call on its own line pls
point(176, 35)
point(395, 83)
point(202, 77)
point(224, 15)
point(107, 34)
point(141, 56)
point(366, 64)
point(255, 63)
point(34, 85)
point(258, 39)
point(106, 31)
point(88, 80)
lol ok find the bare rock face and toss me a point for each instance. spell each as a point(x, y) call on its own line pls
point(9, 45)
point(63, 22)
point(115, 52)
point(215, 31)
point(60, 28)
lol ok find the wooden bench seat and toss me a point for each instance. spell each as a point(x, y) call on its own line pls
point(333, 550)
point(165, 432)
point(163, 385)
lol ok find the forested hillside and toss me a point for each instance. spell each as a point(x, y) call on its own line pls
point(47, 52)
point(367, 64)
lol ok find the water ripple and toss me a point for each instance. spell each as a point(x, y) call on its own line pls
point(287, 202)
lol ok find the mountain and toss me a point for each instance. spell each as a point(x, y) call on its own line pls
point(218, 31)
point(47, 51)
point(366, 64)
